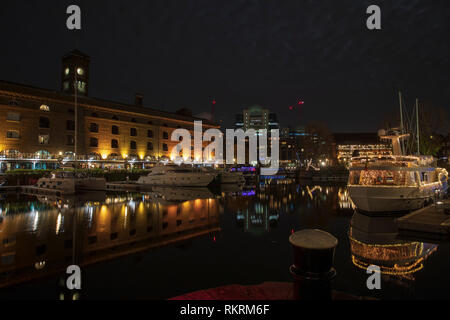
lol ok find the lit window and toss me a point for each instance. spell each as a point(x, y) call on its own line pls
point(80, 71)
point(43, 138)
point(67, 71)
point(81, 86)
point(44, 107)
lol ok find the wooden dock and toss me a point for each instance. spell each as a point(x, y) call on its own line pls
point(432, 222)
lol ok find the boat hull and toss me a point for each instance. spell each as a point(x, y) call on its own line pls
point(176, 180)
point(91, 184)
point(375, 199)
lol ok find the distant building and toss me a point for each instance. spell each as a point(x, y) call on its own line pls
point(347, 145)
point(291, 144)
point(256, 117)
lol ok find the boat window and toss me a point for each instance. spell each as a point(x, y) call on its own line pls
point(382, 178)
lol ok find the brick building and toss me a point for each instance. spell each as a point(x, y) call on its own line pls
point(37, 126)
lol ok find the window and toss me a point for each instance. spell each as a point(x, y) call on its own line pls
point(66, 86)
point(133, 120)
point(115, 117)
point(81, 86)
point(165, 124)
point(80, 71)
point(67, 71)
point(70, 140)
point(165, 147)
point(70, 125)
point(149, 134)
point(115, 130)
point(149, 146)
point(165, 135)
point(133, 132)
point(12, 134)
point(93, 142)
point(133, 145)
point(43, 138)
point(114, 144)
point(149, 122)
point(44, 122)
point(44, 107)
point(95, 115)
point(71, 111)
point(93, 127)
point(13, 116)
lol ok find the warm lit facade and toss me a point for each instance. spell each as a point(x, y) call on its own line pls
point(38, 125)
point(347, 145)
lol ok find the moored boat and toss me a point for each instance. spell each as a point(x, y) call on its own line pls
point(395, 183)
point(174, 175)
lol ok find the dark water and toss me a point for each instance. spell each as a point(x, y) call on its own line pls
point(174, 241)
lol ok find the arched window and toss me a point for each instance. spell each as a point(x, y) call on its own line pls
point(115, 130)
point(44, 107)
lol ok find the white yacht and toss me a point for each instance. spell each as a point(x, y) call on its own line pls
point(395, 183)
point(174, 175)
point(69, 182)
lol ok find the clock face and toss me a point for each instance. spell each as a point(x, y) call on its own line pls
point(67, 71)
point(80, 71)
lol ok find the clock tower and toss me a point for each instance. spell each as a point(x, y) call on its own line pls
point(75, 67)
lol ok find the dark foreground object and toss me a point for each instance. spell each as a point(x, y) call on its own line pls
point(264, 291)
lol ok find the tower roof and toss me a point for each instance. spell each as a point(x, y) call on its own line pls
point(76, 52)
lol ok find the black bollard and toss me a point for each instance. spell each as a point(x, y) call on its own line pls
point(313, 264)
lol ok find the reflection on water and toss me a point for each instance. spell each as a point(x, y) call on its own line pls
point(44, 235)
point(41, 236)
point(373, 241)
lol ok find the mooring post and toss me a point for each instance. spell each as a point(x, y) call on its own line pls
point(313, 264)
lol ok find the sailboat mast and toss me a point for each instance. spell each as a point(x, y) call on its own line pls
point(401, 112)
point(401, 121)
point(417, 117)
point(76, 119)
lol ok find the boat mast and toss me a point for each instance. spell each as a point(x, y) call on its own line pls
point(417, 117)
point(401, 120)
point(76, 118)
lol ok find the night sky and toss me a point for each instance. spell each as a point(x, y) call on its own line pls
point(181, 54)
